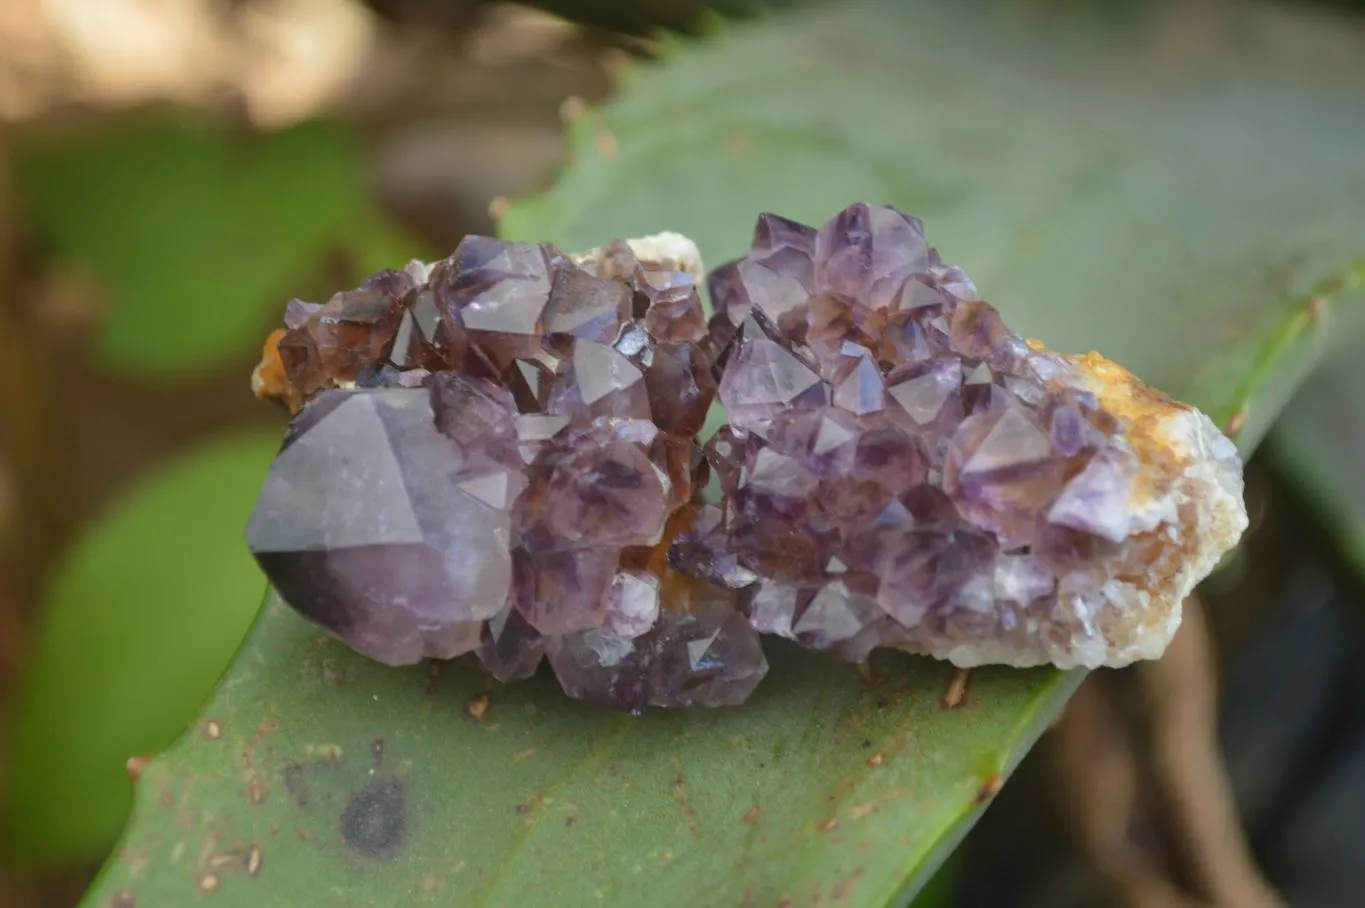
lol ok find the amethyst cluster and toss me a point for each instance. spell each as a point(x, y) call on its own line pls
point(899, 469)
point(489, 459)
point(495, 458)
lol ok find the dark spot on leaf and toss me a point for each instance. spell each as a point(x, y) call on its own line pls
point(123, 899)
point(294, 783)
point(375, 820)
point(685, 805)
point(867, 743)
point(570, 822)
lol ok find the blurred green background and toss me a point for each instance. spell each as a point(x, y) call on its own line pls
point(171, 173)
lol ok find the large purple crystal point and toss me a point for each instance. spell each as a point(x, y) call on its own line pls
point(900, 469)
point(360, 527)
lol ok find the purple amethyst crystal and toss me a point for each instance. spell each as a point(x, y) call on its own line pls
point(699, 652)
point(364, 527)
point(489, 454)
point(495, 458)
point(899, 469)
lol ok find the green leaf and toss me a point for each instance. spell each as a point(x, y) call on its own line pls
point(375, 787)
point(1317, 445)
point(140, 621)
point(193, 234)
point(1161, 222)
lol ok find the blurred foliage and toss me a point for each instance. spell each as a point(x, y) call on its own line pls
point(634, 17)
point(192, 233)
point(1319, 445)
point(138, 623)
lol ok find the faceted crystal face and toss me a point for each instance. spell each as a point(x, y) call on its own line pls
point(586, 307)
point(680, 387)
point(360, 529)
point(499, 292)
point(632, 604)
point(354, 329)
point(510, 649)
point(763, 379)
point(785, 247)
point(674, 307)
point(598, 382)
point(608, 495)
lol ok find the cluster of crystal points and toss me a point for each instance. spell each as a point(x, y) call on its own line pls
point(490, 456)
point(494, 457)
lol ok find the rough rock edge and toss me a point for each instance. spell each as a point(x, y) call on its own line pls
point(1187, 496)
point(666, 251)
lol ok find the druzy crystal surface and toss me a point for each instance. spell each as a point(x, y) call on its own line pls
point(900, 469)
point(495, 458)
